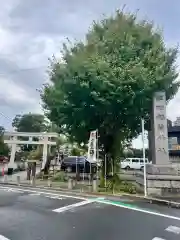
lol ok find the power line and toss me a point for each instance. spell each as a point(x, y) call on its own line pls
point(2, 114)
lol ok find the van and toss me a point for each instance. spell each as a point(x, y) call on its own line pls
point(133, 163)
point(80, 163)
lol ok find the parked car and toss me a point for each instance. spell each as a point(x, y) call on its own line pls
point(133, 163)
point(76, 163)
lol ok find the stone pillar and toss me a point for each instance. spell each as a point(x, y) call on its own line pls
point(45, 151)
point(13, 153)
point(159, 139)
point(70, 183)
point(5, 179)
point(49, 183)
point(34, 169)
point(29, 171)
point(94, 185)
point(33, 182)
point(160, 152)
point(18, 180)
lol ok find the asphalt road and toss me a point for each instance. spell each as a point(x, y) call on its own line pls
point(43, 215)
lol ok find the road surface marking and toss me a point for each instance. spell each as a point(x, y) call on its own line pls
point(14, 190)
point(3, 238)
point(11, 190)
point(134, 208)
point(173, 229)
point(46, 192)
point(54, 197)
point(157, 238)
point(34, 194)
point(72, 206)
point(100, 200)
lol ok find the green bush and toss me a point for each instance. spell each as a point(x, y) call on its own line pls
point(127, 187)
point(59, 176)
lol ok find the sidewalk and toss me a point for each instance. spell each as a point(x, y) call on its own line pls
point(22, 174)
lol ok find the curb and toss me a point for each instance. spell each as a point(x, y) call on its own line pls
point(109, 196)
point(154, 200)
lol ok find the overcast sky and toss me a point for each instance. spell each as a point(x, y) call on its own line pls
point(31, 31)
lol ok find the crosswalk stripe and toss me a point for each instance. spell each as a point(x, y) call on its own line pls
point(34, 194)
point(173, 229)
point(72, 206)
point(3, 238)
point(54, 197)
point(14, 190)
point(157, 238)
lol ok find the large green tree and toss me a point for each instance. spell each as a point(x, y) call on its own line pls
point(107, 81)
point(29, 123)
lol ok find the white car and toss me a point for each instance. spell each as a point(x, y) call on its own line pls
point(133, 163)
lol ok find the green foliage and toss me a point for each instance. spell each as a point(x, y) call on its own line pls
point(127, 187)
point(4, 149)
point(59, 176)
point(1, 131)
point(35, 154)
point(75, 151)
point(114, 184)
point(30, 123)
point(135, 152)
point(107, 82)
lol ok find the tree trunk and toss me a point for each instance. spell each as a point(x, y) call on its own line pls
point(29, 171)
point(47, 166)
point(33, 169)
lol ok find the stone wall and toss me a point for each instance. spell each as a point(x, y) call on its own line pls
point(159, 185)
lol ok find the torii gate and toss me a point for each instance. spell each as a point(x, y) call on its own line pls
point(43, 139)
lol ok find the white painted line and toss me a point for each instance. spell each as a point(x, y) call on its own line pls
point(69, 207)
point(54, 197)
point(3, 238)
point(157, 238)
point(133, 208)
point(53, 194)
point(14, 190)
point(34, 194)
point(173, 229)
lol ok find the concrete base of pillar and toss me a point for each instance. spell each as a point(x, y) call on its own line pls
point(170, 169)
point(159, 185)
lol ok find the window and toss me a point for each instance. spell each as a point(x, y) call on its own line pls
point(126, 160)
point(135, 161)
point(142, 161)
point(81, 160)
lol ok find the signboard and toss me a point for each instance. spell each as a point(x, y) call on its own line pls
point(173, 143)
point(161, 153)
point(92, 147)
